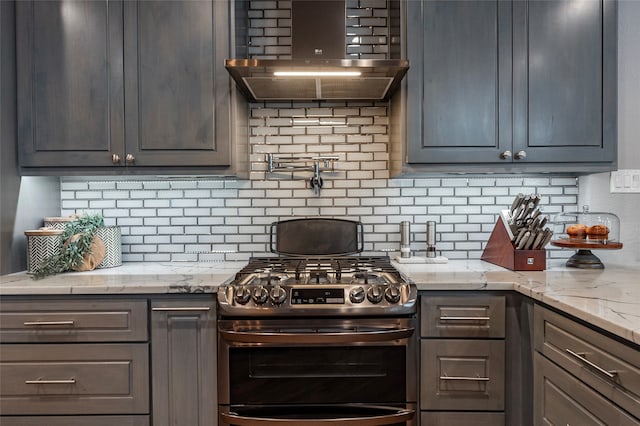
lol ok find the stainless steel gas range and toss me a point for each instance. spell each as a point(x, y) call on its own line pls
point(317, 335)
point(318, 286)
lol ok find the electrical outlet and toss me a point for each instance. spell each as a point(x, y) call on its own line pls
point(625, 181)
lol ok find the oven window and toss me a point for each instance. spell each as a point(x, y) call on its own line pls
point(317, 375)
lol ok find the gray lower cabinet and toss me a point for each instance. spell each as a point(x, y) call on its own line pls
point(74, 361)
point(582, 376)
point(106, 86)
point(561, 399)
point(511, 85)
point(462, 359)
point(183, 372)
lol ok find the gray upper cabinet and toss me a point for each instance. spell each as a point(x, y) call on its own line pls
point(111, 86)
point(508, 86)
point(176, 89)
point(459, 83)
point(70, 87)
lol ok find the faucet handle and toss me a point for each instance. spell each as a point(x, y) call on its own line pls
point(316, 184)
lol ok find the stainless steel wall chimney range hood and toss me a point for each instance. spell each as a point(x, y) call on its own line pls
point(319, 68)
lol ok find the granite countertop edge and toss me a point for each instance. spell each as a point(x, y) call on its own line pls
point(608, 299)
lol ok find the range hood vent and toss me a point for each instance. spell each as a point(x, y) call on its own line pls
point(319, 69)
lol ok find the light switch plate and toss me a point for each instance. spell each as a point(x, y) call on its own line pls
point(625, 181)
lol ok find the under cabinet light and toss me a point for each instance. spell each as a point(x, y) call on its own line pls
point(317, 73)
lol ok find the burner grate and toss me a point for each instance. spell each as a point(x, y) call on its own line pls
point(318, 270)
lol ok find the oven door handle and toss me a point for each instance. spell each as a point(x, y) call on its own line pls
point(396, 417)
point(382, 335)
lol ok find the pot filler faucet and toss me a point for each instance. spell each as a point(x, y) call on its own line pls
point(312, 164)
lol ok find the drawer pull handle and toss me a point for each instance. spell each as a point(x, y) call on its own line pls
point(581, 357)
point(467, 379)
point(184, 309)
point(48, 323)
point(465, 318)
point(50, 382)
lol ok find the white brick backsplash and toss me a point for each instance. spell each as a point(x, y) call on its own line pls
point(75, 204)
point(184, 220)
point(102, 204)
point(129, 204)
point(154, 203)
point(210, 220)
point(571, 199)
point(440, 192)
point(160, 184)
point(74, 186)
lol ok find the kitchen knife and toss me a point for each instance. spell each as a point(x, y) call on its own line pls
point(516, 203)
point(529, 244)
point(536, 199)
point(539, 238)
point(515, 214)
point(518, 237)
point(523, 240)
point(525, 213)
point(543, 222)
point(547, 238)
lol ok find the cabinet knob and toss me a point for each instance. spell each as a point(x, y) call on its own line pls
point(520, 155)
point(130, 158)
point(505, 155)
point(115, 158)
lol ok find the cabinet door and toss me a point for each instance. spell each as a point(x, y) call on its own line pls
point(70, 91)
point(177, 90)
point(459, 99)
point(183, 347)
point(561, 399)
point(565, 98)
point(458, 374)
point(79, 378)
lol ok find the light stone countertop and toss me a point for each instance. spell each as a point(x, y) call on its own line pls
point(609, 298)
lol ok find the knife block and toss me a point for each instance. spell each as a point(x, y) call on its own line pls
point(500, 251)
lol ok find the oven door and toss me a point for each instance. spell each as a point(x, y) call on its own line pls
point(349, 415)
point(317, 371)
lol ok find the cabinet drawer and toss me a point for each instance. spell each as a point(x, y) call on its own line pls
point(462, 374)
point(461, 419)
point(75, 420)
point(84, 320)
point(610, 367)
point(561, 399)
point(74, 379)
point(462, 316)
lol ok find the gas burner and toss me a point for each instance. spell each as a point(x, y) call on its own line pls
point(318, 286)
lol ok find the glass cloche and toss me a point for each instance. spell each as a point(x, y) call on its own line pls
point(585, 231)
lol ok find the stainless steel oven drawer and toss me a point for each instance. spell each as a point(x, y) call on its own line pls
point(74, 379)
point(462, 316)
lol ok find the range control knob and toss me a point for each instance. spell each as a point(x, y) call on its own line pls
point(375, 294)
point(242, 295)
point(356, 295)
point(278, 295)
point(392, 294)
point(260, 295)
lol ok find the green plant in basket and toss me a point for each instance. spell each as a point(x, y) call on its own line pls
point(80, 248)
